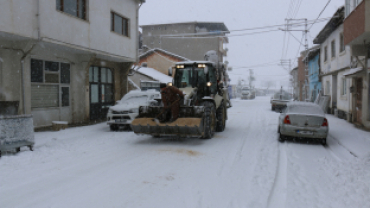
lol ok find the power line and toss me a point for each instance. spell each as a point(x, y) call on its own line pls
point(320, 13)
point(245, 29)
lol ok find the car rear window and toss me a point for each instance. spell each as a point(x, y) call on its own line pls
point(305, 109)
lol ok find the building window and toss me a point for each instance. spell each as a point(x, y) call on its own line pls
point(119, 24)
point(50, 84)
point(333, 49)
point(344, 86)
point(325, 53)
point(341, 46)
point(76, 8)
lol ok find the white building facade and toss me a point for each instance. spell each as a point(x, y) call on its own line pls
point(66, 60)
point(335, 61)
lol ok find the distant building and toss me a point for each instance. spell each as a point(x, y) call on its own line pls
point(188, 39)
point(160, 59)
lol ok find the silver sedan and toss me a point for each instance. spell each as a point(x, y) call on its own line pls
point(303, 120)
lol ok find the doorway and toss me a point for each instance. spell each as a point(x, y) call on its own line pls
point(358, 102)
point(101, 91)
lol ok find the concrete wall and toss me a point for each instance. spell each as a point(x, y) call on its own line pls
point(19, 17)
point(78, 110)
point(344, 100)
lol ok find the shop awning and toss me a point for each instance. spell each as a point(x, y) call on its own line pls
point(354, 72)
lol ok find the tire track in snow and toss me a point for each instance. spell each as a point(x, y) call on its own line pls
point(338, 142)
point(277, 196)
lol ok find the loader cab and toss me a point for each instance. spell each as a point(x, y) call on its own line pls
point(202, 76)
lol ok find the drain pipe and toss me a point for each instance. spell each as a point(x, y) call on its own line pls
point(22, 76)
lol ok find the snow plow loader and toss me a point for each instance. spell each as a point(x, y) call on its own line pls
point(203, 110)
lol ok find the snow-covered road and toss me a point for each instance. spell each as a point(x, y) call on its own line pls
point(244, 166)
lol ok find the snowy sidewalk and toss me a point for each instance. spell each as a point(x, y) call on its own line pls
point(355, 140)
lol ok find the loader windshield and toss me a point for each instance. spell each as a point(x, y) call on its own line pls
point(189, 77)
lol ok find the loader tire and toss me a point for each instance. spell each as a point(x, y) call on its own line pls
point(209, 120)
point(221, 118)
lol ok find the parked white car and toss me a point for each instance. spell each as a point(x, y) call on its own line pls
point(127, 109)
point(303, 120)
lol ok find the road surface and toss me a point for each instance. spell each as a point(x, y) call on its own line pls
point(244, 166)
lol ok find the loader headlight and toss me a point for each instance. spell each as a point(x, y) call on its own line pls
point(180, 66)
point(209, 84)
point(201, 65)
point(169, 84)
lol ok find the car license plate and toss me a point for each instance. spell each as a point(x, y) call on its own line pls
point(120, 120)
point(305, 132)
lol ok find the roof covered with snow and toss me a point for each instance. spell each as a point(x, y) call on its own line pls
point(331, 26)
point(210, 26)
point(353, 71)
point(154, 74)
point(158, 50)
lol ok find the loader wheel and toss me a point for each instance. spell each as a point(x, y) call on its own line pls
point(209, 120)
point(221, 118)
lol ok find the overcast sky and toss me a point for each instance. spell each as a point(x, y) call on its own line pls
point(248, 51)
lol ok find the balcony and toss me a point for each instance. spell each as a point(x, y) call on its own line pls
point(357, 28)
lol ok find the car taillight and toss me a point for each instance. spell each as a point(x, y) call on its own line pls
point(325, 123)
point(287, 120)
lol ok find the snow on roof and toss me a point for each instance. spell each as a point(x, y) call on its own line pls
point(133, 83)
point(139, 93)
point(195, 62)
point(352, 71)
point(163, 51)
point(155, 74)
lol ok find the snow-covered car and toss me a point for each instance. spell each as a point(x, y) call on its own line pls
point(127, 109)
point(248, 93)
point(303, 120)
point(279, 100)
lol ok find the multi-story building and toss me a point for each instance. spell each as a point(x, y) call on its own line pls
point(313, 62)
point(357, 36)
point(335, 60)
point(66, 60)
point(294, 83)
point(189, 39)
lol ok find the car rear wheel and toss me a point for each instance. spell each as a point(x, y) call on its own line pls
point(281, 138)
point(113, 127)
point(323, 142)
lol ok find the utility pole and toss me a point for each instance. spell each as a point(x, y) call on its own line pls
point(305, 33)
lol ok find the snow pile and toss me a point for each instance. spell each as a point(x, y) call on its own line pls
point(350, 182)
point(134, 99)
point(155, 74)
point(354, 140)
